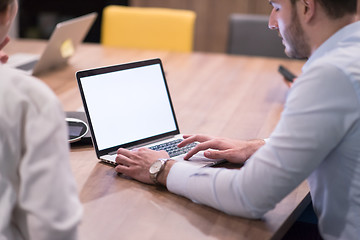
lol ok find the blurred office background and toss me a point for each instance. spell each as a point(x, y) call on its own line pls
point(37, 18)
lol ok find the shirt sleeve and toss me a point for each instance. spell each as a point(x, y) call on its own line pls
point(48, 196)
point(319, 111)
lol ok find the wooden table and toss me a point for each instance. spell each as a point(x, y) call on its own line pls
point(215, 94)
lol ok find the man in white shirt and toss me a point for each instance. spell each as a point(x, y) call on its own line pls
point(317, 137)
point(38, 195)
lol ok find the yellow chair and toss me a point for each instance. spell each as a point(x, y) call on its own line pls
point(148, 28)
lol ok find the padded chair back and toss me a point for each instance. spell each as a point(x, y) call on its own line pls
point(148, 28)
point(250, 35)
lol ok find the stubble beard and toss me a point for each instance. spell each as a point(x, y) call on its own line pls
point(296, 39)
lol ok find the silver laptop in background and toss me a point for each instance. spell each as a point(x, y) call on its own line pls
point(129, 106)
point(61, 46)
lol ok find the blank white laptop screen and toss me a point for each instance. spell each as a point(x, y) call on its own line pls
point(128, 105)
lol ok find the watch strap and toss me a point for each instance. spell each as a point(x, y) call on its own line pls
point(155, 175)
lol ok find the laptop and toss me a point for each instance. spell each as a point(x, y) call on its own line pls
point(61, 46)
point(129, 106)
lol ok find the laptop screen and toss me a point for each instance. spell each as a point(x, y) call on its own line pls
point(127, 104)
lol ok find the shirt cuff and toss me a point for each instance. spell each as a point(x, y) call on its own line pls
point(178, 176)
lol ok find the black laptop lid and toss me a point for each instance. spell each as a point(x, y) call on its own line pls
point(127, 104)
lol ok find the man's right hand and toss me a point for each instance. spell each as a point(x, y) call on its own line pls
point(235, 151)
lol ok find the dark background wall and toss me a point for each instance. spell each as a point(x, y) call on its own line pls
point(37, 18)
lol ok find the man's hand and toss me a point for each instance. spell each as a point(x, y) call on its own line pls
point(289, 84)
point(3, 56)
point(235, 151)
point(136, 163)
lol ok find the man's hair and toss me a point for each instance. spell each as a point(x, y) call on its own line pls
point(4, 4)
point(337, 8)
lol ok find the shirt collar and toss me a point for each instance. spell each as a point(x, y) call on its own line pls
point(333, 42)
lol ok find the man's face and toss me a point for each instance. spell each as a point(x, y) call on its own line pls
point(285, 20)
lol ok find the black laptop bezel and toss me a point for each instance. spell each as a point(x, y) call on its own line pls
point(120, 67)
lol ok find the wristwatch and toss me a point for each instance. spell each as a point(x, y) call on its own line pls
point(156, 168)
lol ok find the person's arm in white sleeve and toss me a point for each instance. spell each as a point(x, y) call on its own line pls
point(316, 117)
point(47, 193)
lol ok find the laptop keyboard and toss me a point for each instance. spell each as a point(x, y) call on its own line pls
point(172, 149)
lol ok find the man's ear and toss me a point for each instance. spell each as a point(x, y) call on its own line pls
point(5, 16)
point(307, 9)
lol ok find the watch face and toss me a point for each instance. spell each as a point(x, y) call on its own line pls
point(155, 167)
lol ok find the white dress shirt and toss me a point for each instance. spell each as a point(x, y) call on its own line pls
point(317, 137)
point(38, 196)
